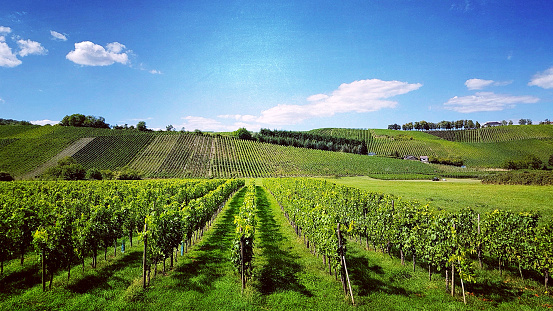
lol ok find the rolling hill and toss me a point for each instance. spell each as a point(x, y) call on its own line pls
point(27, 151)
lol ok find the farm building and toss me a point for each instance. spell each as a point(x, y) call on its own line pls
point(424, 159)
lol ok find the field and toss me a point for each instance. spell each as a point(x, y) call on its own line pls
point(27, 151)
point(455, 194)
point(286, 274)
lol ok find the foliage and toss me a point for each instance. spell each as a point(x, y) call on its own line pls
point(446, 161)
point(94, 174)
point(243, 133)
point(67, 169)
point(127, 173)
point(531, 161)
point(540, 178)
point(80, 120)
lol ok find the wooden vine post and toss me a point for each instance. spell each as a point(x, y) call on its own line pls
point(144, 257)
point(344, 273)
point(242, 263)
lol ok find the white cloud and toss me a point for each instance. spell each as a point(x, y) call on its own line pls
point(205, 124)
point(28, 47)
point(486, 101)
point(155, 72)
point(358, 96)
point(58, 36)
point(90, 54)
point(239, 117)
point(543, 79)
point(7, 57)
point(44, 122)
point(478, 84)
point(4, 29)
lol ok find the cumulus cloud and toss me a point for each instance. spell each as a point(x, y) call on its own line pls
point(543, 79)
point(44, 122)
point(358, 96)
point(155, 72)
point(58, 36)
point(239, 117)
point(486, 101)
point(479, 84)
point(28, 47)
point(87, 53)
point(5, 30)
point(7, 57)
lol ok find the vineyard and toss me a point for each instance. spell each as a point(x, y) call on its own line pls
point(59, 234)
point(28, 151)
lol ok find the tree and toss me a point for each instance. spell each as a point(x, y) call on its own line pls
point(510, 122)
point(141, 126)
point(478, 125)
point(94, 173)
point(522, 121)
point(243, 133)
point(67, 169)
point(80, 120)
point(169, 128)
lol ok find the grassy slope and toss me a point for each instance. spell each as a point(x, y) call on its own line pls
point(455, 194)
point(24, 148)
point(487, 147)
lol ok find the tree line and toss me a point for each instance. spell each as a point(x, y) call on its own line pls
point(307, 140)
point(442, 125)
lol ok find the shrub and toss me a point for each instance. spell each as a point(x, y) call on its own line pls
point(128, 173)
point(67, 169)
point(94, 174)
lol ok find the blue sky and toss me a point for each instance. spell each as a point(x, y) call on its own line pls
point(295, 65)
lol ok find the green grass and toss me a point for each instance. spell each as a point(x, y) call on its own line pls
point(286, 276)
point(454, 194)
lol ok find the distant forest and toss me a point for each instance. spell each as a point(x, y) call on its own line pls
point(311, 141)
point(13, 122)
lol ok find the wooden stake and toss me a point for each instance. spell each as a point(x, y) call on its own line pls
point(144, 257)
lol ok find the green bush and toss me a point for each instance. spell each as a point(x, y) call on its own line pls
point(539, 178)
point(67, 169)
point(446, 161)
point(128, 173)
point(94, 174)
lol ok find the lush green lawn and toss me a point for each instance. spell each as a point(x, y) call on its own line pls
point(454, 194)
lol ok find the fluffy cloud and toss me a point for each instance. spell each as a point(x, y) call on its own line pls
point(4, 29)
point(28, 47)
point(358, 96)
point(486, 101)
point(44, 122)
point(87, 53)
point(58, 36)
point(478, 84)
point(7, 57)
point(204, 124)
point(543, 79)
point(239, 117)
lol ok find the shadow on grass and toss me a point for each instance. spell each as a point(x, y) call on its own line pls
point(99, 280)
point(210, 260)
point(279, 274)
point(21, 280)
point(361, 274)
